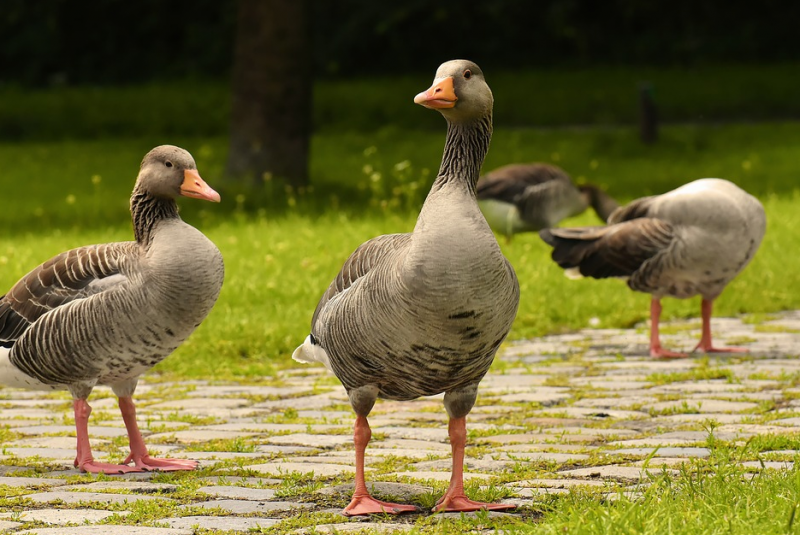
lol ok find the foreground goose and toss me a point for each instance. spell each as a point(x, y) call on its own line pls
point(423, 313)
point(105, 314)
point(692, 240)
point(529, 197)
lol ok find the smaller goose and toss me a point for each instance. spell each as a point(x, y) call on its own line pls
point(529, 197)
point(692, 240)
point(105, 314)
point(423, 313)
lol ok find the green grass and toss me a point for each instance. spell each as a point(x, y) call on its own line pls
point(283, 249)
point(551, 97)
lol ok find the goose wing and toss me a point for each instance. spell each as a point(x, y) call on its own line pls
point(615, 251)
point(509, 182)
point(363, 259)
point(71, 275)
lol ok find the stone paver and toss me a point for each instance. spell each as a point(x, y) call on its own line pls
point(588, 409)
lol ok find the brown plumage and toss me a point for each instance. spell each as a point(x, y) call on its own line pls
point(518, 198)
point(692, 240)
point(423, 313)
point(105, 314)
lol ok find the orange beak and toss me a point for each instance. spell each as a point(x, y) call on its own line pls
point(195, 187)
point(440, 95)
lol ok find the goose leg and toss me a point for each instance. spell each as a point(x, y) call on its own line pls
point(705, 344)
point(84, 460)
point(455, 499)
point(363, 503)
point(139, 455)
point(656, 351)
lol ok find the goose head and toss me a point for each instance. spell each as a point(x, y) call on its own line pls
point(459, 92)
point(168, 172)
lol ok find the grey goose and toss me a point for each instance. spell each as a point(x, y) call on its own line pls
point(105, 314)
point(690, 241)
point(529, 197)
point(423, 313)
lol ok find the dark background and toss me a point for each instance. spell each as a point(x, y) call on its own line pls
point(58, 42)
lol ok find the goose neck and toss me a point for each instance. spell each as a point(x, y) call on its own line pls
point(465, 148)
point(147, 211)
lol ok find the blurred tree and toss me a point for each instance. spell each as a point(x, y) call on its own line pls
point(271, 92)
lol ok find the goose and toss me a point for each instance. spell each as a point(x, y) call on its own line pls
point(518, 198)
point(690, 241)
point(105, 314)
point(423, 313)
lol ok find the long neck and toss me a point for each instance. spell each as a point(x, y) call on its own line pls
point(464, 150)
point(601, 201)
point(147, 211)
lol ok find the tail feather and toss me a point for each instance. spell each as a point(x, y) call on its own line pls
point(612, 251)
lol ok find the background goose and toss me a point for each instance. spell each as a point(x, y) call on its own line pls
point(530, 197)
point(418, 314)
point(105, 314)
point(689, 241)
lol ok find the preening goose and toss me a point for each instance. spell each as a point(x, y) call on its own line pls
point(423, 313)
point(529, 197)
point(692, 240)
point(105, 314)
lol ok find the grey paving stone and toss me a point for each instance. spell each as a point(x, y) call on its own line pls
point(238, 493)
point(434, 434)
point(89, 497)
point(542, 456)
point(222, 523)
point(441, 476)
point(345, 527)
point(46, 453)
point(409, 443)
point(65, 516)
point(105, 530)
point(475, 465)
point(95, 430)
point(316, 441)
point(665, 452)
point(632, 473)
point(8, 524)
point(235, 480)
point(280, 468)
point(540, 447)
point(31, 482)
point(197, 435)
point(136, 486)
point(242, 507)
point(200, 403)
point(603, 414)
point(564, 483)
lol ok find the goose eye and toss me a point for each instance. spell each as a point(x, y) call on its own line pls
point(168, 163)
point(468, 74)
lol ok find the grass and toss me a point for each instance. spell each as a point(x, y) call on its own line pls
point(549, 97)
point(282, 248)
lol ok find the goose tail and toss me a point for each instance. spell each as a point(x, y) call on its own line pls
point(310, 351)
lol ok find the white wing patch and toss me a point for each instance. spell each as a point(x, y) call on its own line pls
point(308, 353)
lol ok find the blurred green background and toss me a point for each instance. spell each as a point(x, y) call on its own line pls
point(84, 93)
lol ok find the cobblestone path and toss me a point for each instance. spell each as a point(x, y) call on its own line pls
point(580, 409)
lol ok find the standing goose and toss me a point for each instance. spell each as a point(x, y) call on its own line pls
point(423, 313)
point(529, 197)
point(692, 240)
point(105, 314)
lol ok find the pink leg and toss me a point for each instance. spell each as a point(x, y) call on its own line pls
point(139, 455)
point(705, 344)
point(84, 459)
point(455, 499)
point(656, 351)
point(362, 503)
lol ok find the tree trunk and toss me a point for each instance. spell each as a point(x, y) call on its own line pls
point(271, 92)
